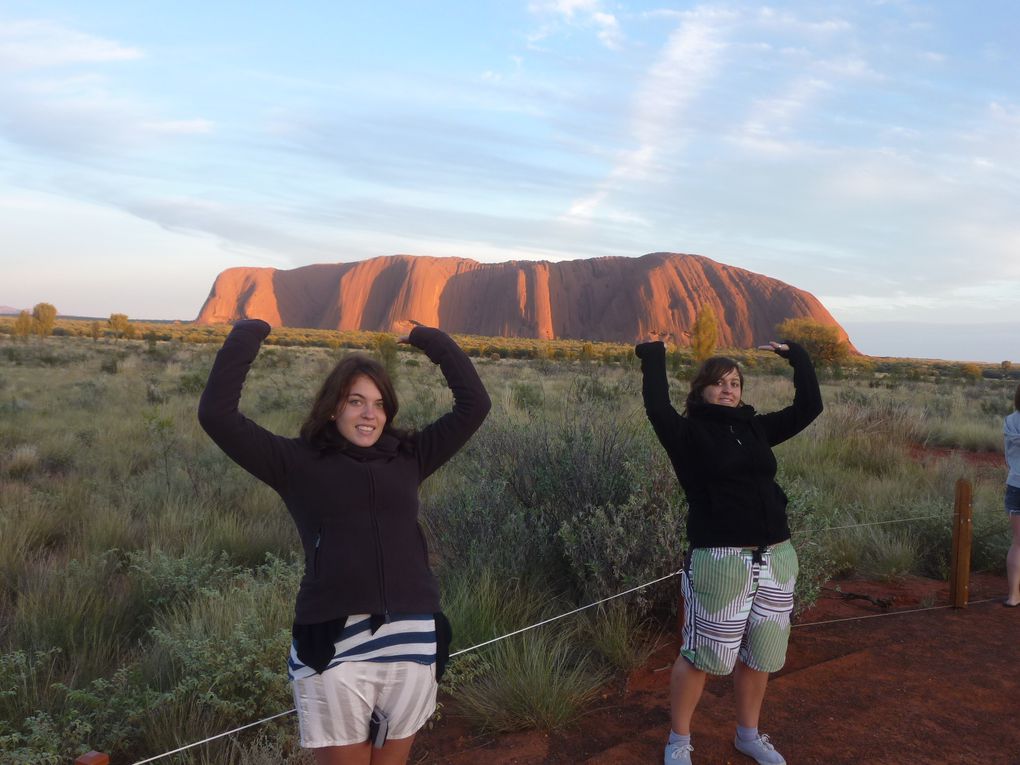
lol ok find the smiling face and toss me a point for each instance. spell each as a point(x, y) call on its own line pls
point(361, 416)
point(725, 391)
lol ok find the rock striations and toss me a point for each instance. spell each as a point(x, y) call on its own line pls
point(615, 299)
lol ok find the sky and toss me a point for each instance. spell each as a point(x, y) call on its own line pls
point(867, 151)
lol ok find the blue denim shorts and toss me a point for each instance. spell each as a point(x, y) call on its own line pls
point(1012, 499)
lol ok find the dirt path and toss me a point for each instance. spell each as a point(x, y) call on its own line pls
point(930, 687)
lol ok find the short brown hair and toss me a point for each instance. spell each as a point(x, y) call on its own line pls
point(335, 388)
point(711, 371)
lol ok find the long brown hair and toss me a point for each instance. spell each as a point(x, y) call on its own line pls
point(335, 388)
point(710, 372)
point(1016, 399)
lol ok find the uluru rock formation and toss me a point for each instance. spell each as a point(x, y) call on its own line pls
point(615, 299)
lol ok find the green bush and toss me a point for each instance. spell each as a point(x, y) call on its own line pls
point(535, 680)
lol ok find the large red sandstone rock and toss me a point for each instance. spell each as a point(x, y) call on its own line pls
point(616, 299)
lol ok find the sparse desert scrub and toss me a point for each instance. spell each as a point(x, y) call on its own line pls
point(537, 680)
point(132, 550)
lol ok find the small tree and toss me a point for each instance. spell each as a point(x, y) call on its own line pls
point(44, 316)
point(821, 341)
point(704, 333)
point(386, 352)
point(23, 325)
point(119, 325)
point(94, 331)
point(970, 371)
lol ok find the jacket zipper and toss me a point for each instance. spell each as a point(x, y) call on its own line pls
point(315, 553)
point(378, 544)
point(739, 442)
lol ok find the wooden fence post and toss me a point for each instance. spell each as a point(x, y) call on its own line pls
point(93, 758)
point(959, 574)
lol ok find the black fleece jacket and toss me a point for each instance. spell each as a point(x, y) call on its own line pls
point(356, 509)
point(722, 455)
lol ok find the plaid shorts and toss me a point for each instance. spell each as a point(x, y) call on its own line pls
point(737, 604)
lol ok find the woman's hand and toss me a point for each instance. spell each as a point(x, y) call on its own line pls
point(779, 348)
point(404, 327)
point(660, 336)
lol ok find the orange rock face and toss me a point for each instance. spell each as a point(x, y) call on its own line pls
point(614, 299)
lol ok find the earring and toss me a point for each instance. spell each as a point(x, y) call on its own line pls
point(332, 417)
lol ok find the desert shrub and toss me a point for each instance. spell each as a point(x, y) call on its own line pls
point(622, 638)
point(482, 604)
point(808, 518)
point(527, 396)
point(535, 680)
point(84, 608)
point(420, 408)
point(192, 383)
point(165, 579)
point(154, 392)
point(612, 548)
point(22, 460)
point(88, 395)
point(956, 433)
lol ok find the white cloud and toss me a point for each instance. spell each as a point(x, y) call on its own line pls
point(565, 8)
point(577, 13)
point(609, 30)
point(178, 127)
point(55, 102)
point(683, 69)
point(852, 66)
point(770, 120)
point(40, 44)
point(882, 177)
point(771, 18)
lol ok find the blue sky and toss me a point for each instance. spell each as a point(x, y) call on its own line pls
point(868, 152)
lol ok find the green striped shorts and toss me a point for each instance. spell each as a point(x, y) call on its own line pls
point(737, 607)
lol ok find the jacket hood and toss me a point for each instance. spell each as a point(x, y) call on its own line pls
point(720, 413)
point(385, 448)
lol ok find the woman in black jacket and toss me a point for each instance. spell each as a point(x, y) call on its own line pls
point(740, 569)
point(369, 641)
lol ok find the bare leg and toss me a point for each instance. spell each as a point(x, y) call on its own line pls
point(749, 689)
point(352, 754)
point(685, 686)
point(394, 752)
point(1013, 563)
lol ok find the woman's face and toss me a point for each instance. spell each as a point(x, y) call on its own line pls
point(725, 391)
point(360, 417)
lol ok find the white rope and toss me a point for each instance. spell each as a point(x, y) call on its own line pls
point(218, 735)
point(568, 613)
point(891, 613)
point(806, 532)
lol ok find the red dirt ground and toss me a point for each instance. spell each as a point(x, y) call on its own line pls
point(928, 687)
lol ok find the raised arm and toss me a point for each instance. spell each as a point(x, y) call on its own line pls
point(807, 398)
point(251, 446)
point(439, 441)
point(667, 423)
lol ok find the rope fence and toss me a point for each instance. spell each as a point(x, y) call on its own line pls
point(958, 585)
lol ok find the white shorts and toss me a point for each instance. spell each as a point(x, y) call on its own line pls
point(334, 708)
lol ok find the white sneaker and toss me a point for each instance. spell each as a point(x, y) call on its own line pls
point(678, 754)
point(760, 750)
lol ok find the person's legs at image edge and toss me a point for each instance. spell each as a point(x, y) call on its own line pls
point(1013, 563)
